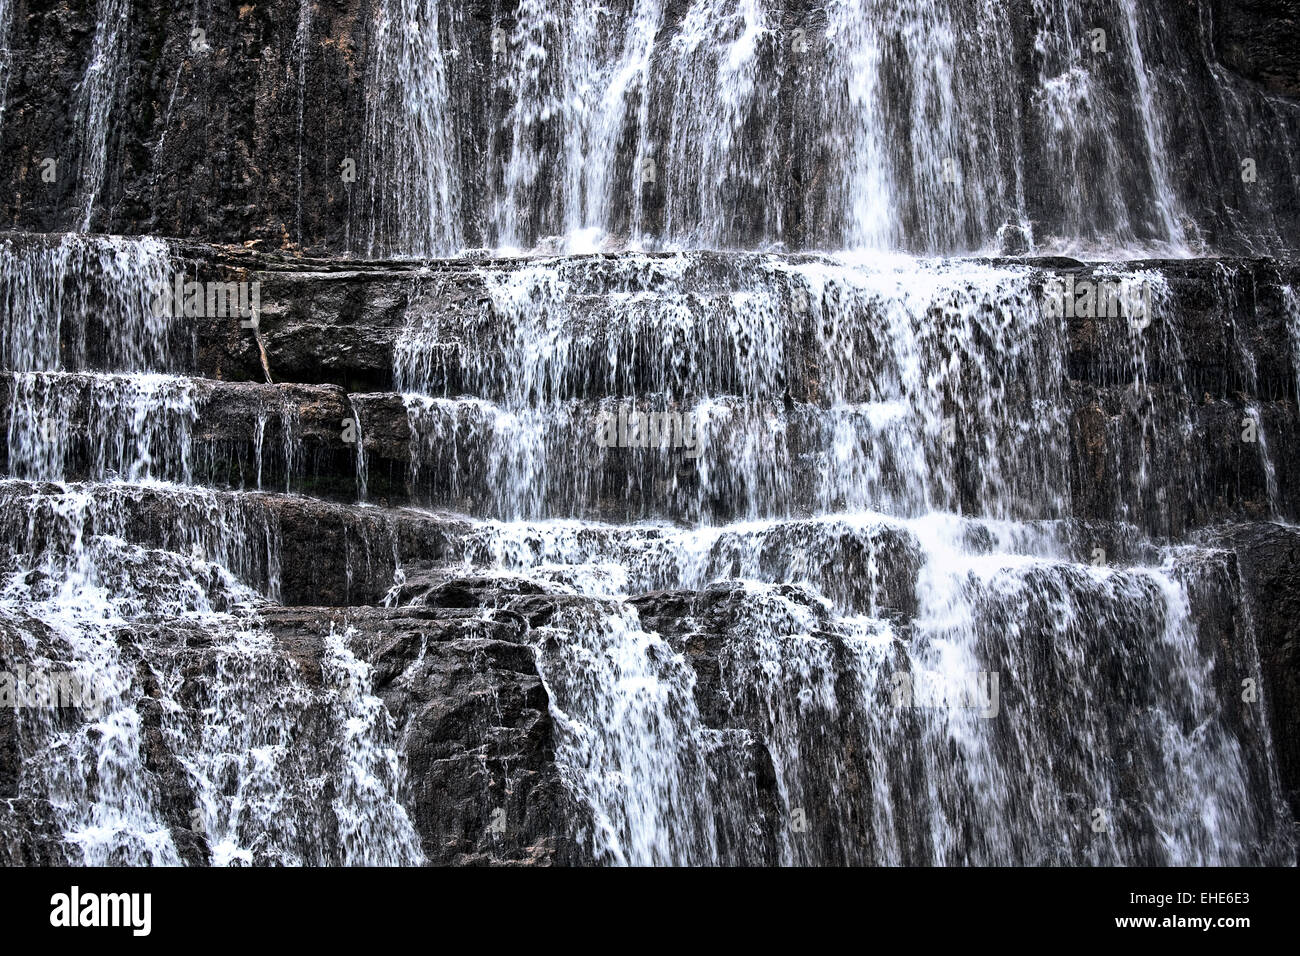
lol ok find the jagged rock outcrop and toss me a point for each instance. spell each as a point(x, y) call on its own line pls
point(471, 711)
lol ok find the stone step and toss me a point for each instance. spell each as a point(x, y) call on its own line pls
point(693, 325)
point(1109, 453)
point(801, 327)
point(95, 426)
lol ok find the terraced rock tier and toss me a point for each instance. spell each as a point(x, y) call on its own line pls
point(370, 576)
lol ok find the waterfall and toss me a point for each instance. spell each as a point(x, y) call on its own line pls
point(938, 776)
point(254, 706)
point(95, 101)
point(411, 162)
point(93, 611)
point(708, 454)
point(137, 426)
point(873, 124)
point(301, 41)
point(826, 609)
point(84, 302)
point(609, 698)
point(6, 53)
point(940, 553)
point(873, 428)
point(1292, 299)
point(1149, 114)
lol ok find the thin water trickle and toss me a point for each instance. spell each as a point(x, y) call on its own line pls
point(96, 94)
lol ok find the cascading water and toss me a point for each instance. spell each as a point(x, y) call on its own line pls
point(412, 156)
point(95, 99)
point(85, 302)
point(924, 391)
point(255, 706)
point(6, 13)
point(865, 428)
point(876, 124)
point(1292, 299)
point(87, 607)
point(793, 546)
point(875, 534)
point(137, 424)
point(301, 41)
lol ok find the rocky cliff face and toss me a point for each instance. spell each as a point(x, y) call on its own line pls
point(232, 132)
point(317, 547)
point(266, 121)
point(1250, 38)
point(357, 512)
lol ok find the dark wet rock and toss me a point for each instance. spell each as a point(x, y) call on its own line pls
point(244, 135)
point(1208, 449)
point(29, 834)
point(305, 550)
point(1268, 556)
point(242, 143)
point(463, 690)
point(1255, 38)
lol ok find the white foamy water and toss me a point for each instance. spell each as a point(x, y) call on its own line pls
point(410, 170)
point(181, 735)
point(849, 124)
point(832, 586)
point(131, 427)
point(1007, 656)
point(84, 299)
point(233, 707)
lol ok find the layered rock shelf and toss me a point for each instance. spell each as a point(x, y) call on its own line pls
point(449, 432)
point(302, 456)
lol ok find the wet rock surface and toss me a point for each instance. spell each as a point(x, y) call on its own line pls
point(362, 495)
point(598, 553)
point(1266, 555)
point(242, 132)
